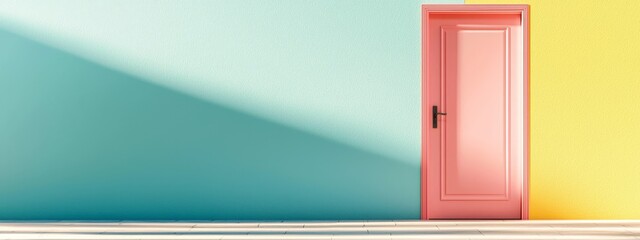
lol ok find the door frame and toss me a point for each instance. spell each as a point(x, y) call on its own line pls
point(521, 9)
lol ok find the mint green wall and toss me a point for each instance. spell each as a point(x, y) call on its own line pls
point(209, 109)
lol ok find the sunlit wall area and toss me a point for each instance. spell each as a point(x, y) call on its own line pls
point(209, 109)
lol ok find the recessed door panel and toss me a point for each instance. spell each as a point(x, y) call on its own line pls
point(474, 83)
point(475, 86)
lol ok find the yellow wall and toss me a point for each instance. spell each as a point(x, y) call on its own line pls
point(585, 108)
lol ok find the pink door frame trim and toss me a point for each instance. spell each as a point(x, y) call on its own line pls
point(522, 9)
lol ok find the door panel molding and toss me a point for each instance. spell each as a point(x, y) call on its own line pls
point(503, 32)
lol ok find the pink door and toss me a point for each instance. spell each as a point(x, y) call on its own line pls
point(475, 111)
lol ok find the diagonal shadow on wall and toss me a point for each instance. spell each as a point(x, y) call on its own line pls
point(81, 141)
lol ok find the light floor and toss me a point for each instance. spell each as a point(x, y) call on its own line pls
point(618, 229)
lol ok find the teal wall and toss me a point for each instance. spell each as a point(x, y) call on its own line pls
point(262, 110)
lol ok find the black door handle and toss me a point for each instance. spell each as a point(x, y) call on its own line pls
point(435, 114)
